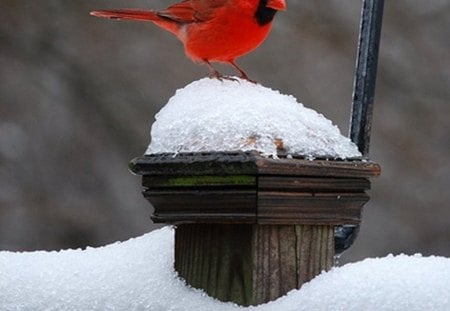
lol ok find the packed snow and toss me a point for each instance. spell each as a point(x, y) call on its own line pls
point(138, 275)
point(213, 115)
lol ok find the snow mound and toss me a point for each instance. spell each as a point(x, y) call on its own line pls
point(138, 275)
point(213, 115)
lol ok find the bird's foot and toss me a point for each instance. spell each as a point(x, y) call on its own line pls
point(228, 78)
point(242, 72)
point(221, 77)
point(245, 77)
point(217, 75)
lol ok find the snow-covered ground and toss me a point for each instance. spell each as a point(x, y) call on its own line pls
point(209, 115)
point(213, 115)
point(138, 275)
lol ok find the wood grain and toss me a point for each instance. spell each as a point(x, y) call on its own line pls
point(315, 245)
point(275, 265)
point(250, 229)
point(310, 208)
point(251, 163)
point(197, 206)
point(251, 264)
point(207, 163)
point(216, 258)
point(320, 168)
point(312, 184)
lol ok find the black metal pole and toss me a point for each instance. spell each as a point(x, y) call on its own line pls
point(366, 73)
point(363, 97)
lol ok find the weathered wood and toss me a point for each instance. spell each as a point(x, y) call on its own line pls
point(320, 168)
point(250, 229)
point(199, 182)
point(315, 248)
point(316, 184)
point(247, 188)
point(251, 264)
point(256, 206)
point(200, 206)
point(216, 258)
point(275, 266)
point(250, 206)
point(214, 163)
point(310, 208)
point(248, 163)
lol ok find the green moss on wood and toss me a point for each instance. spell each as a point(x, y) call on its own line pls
point(208, 180)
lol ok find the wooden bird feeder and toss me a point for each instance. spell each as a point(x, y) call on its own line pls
point(249, 228)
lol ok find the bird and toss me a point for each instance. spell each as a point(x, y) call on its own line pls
point(212, 31)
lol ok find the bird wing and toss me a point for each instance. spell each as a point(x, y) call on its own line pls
point(190, 11)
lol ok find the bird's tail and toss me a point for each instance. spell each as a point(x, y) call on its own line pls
point(137, 15)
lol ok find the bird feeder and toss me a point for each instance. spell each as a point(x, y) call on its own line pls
point(250, 228)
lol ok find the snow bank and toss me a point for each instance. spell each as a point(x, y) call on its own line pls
point(210, 115)
point(138, 275)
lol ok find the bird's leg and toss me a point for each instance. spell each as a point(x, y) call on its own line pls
point(242, 72)
point(215, 74)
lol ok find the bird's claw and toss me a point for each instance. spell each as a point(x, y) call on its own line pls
point(248, 79)
point(229, 78)
point(221, 77)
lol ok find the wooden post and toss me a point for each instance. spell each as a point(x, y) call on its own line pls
point(250, 229)
point(251, 264)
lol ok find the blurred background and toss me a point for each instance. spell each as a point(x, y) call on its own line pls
point(78, 96)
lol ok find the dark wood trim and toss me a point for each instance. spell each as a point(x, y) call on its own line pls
point(320, 168)
point(312, 184)
point(248, 163)
point(247, 188)
point(250, 229)
point(197, 206)
point(310, 208)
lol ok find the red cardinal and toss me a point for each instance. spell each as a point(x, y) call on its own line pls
point(212, 30)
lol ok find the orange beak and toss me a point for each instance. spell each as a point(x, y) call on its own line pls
point(279, 5)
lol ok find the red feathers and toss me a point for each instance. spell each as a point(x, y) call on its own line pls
point(212, 30)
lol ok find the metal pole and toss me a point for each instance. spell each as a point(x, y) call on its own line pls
point(366, 73)
point(363, 98)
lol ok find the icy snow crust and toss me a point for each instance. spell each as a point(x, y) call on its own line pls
point(138, 275)
point(213, 115)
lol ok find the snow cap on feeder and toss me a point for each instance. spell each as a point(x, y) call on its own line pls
point(211, 115)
